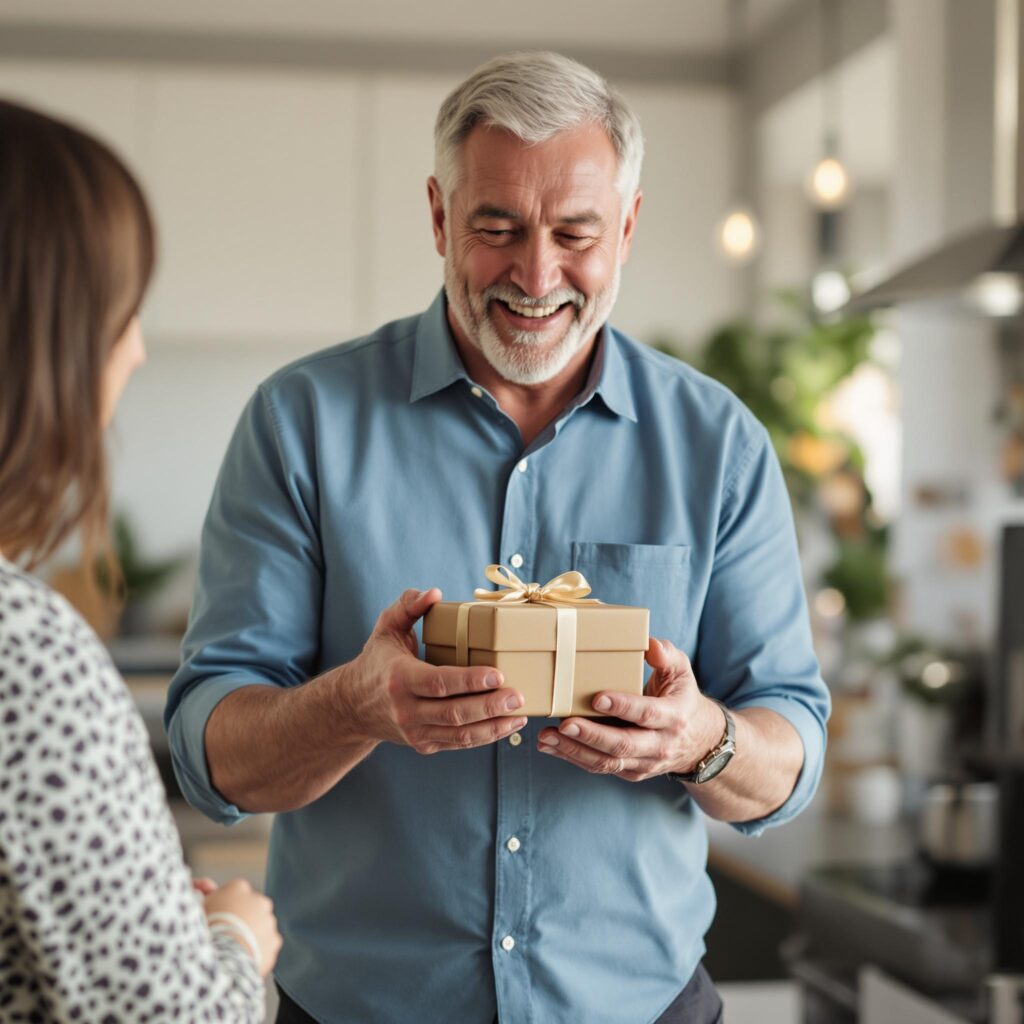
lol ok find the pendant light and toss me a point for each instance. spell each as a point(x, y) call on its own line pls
point(737, 233)
point(829, 183)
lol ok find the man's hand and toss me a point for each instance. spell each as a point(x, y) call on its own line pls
point(674, 725)
point(393, 696)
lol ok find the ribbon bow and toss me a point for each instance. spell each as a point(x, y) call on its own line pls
point(565, 592)
point(568, 588)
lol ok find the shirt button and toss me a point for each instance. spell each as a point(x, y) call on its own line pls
point(515, 739)
point(513, 845)
point(476, 392)
point(508, 943)
point(516, 560)
point(522, 466)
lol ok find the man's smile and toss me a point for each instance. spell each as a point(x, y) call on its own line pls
point(531, 318)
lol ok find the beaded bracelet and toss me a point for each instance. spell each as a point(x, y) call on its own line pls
point(222, 922)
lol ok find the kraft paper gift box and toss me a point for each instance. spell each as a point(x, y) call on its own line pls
point(550, 643)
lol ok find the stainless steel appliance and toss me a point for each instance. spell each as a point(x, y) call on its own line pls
point(957, 825)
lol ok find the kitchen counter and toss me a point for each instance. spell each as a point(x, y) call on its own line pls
point(149, 654)
point(855, 894)
point(774, 863)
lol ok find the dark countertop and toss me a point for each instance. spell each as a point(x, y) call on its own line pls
point(149, 654)
point(775, 863)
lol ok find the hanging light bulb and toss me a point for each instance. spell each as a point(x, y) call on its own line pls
point(995, 294)
point(829, 291)
point(737, 235)
point(829, 184)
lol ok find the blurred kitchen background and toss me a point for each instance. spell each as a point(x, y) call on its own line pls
point(796, 149)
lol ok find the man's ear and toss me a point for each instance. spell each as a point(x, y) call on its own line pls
point(629, 226)
point(437, 218)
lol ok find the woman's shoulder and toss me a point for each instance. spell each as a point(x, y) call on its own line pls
point(28, 606)
point(48, 652)
point(69, 731)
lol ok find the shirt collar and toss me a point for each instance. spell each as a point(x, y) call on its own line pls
point(437, 364)
point(610, 376)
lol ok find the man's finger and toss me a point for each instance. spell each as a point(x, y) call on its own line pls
point(439, 681)
point(480, 734)
point(648, 712)
point(401, 616)
point(465, 710)
point(595, 761)
point(610, 739)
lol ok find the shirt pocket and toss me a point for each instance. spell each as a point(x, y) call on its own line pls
point(654, 576)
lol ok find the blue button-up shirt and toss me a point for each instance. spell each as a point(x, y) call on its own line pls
point(379, 465)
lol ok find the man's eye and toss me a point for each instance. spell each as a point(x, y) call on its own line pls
point(496, 232)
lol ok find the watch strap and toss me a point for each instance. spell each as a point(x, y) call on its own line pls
point(727, 744)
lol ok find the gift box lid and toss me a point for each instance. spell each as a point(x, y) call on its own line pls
point(531, 627)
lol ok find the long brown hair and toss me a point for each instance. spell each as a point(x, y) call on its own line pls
point(77, 249)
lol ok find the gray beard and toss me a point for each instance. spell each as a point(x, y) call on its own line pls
point(529, 358)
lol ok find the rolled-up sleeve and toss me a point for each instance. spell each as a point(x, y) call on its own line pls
point(256, 609)
point(754, 647)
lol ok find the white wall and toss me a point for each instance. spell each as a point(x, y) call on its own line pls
point(293, 214)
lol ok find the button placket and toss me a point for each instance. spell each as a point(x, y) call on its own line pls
point(513, 911)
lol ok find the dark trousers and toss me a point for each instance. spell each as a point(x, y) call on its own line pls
point(698, 1003)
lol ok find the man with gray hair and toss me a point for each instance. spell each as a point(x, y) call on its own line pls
point(437, 856)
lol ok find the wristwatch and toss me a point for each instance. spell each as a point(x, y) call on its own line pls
point(717, 758)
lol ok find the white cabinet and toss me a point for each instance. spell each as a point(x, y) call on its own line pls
point(103, 99)
point(405, 269)
point(292, 208)
point(674, 283)
point(252, 175)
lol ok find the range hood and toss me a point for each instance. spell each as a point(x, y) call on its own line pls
point(982, 267)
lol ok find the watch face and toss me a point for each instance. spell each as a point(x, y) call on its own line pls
point(715, 765)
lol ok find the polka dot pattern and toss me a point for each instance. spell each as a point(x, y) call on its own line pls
point(98, 918)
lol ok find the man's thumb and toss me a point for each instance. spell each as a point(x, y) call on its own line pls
point(670, 666)
point(410, 606)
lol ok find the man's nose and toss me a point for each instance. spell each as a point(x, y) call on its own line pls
point(537, 269)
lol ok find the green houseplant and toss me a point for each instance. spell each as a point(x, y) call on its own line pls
point(785, 373)
point(140, 578)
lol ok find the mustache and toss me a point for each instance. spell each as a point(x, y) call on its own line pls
point(509, 293)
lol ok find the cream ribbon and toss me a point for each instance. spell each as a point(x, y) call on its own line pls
point(564, 593)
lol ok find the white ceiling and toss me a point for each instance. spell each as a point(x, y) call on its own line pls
point(664, 25)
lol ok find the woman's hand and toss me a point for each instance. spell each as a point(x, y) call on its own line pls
point(239, 898)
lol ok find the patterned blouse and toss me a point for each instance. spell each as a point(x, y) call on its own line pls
point(98, 918)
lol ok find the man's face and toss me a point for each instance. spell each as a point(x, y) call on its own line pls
point(533, 240)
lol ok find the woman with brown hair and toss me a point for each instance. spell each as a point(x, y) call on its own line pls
point(99, 920)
